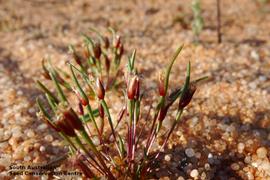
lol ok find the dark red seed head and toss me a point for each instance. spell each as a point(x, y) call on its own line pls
point(107, 63)
point(64, 127)
point(161, 85)
point(106, 42)
point(137, 94)
point(101, 111)
point(72, 119)
point(100, 89)
point(97, 50)
point(162, 113)
point(187, 96)
point(121, 50)
point(133, 87)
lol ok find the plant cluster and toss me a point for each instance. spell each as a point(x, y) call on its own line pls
point(115, 154)
point(197, 24)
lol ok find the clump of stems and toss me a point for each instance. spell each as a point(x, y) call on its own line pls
point(116, 154)
point(197, 24)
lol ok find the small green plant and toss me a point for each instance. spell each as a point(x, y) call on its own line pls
point(116, 154)
point(197, 24)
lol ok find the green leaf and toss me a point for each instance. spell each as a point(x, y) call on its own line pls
point(121, 146)
point(86, 118)
point(82, 93)
point(169, 68)
point(88, 40)
point(186, 85)
point(42, 109)
point(131, 61)
point(47, 91)
point(58, 87)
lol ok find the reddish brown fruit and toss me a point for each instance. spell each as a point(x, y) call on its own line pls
point(107, 64)
point(186, 97)
point(73, 120)
point(101, 111)
point(121, 50)
point(162, 113)
point(64, 127)
point(97, 50)
point(106, 42)
point(100, 89)
point(133, 87)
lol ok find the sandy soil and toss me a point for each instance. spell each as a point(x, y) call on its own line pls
point(225, 132)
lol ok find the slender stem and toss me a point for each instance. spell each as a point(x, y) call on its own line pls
point(178, 116)
point(51, 103)
point(58, 88)
point(47, 91)
point(130, 127)
point(92, 117)
point(219, 35)
point(106, 109)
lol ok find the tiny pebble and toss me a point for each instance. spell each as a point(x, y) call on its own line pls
point(247, 159)
point(30, 133)
point(189, 152)
point(254, 55)
point(207, 167)
point(194, 173)
point(27, 158)
point(48, 138)
point(42, 149)
point(261, 152)
point(240, 147)
point(167, 157)
point(235, 166)
point(180, 178)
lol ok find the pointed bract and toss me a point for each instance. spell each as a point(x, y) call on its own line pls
point(100, 89)
point(187, 96)
point(133, 87)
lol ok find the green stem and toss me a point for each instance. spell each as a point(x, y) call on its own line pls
point(51, 103)
point(106, 109)
point(46, 90)
point(58, 88)
point(92, 117)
